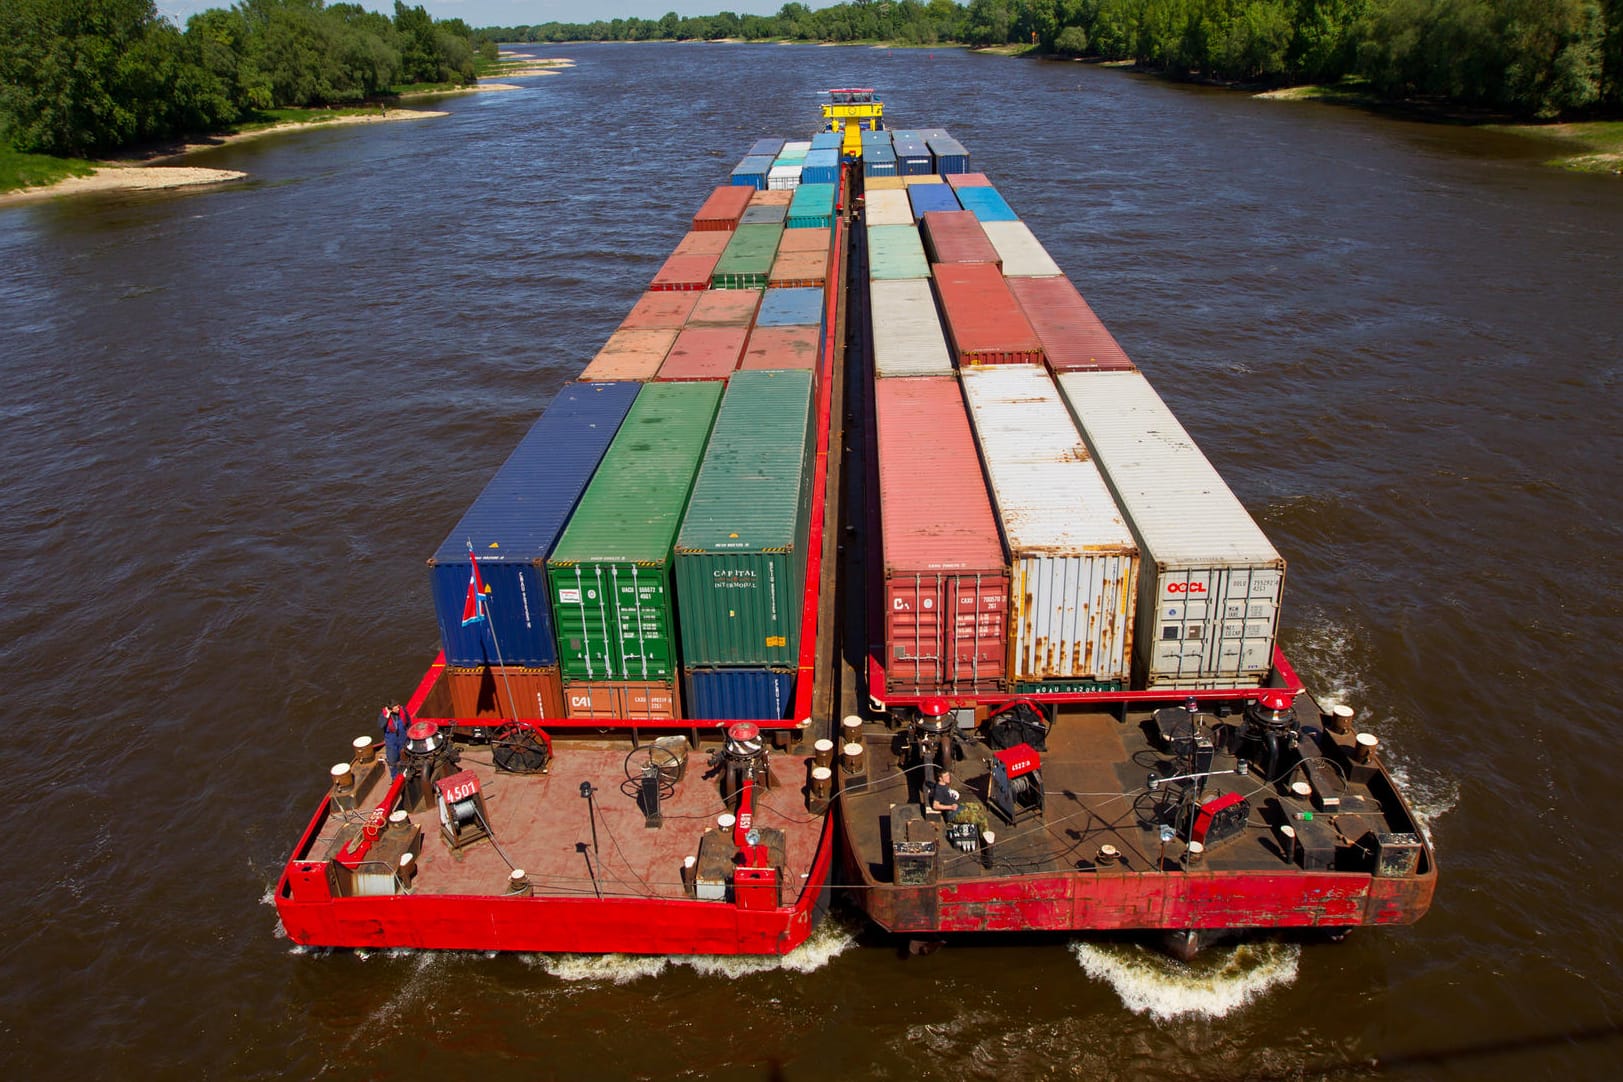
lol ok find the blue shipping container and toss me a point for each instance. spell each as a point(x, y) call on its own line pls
point(514, 524)
point(739, 694)
point(827, 140)
point(871, 138)
point(928, 197)
point(751, 172)
point(767, 148)
point(820, 167)
point(878, 162)
point(913, 157)
point(950, 155)
point(791, 308)
point(987, 205)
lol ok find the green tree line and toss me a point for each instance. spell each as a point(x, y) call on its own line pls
point(1543, 58)
point(80, 77)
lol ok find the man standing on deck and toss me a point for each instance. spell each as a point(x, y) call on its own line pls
point(394, 722)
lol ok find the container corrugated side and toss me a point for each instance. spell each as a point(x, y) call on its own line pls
point(983, 322)
point(931, 197)
point(488, 692)
point(956, 236)
point(661, 310)
point(895, 252)
point(630, 355)
point(740, 694)
point(513, 525)
point(1023, 255)
point(741, 551)
point(704, 353)
point(782, 347)
point(888, 207)
point(783, 178)
point(791, 308)
point(1211, 583)
point(630, 699)
point(812, 207)
point(609, 576)
point(912, 155)
point(987, 205)
point(1073, 561)
point(724, 308)
point(752, 171)
point(821, 167)
point(722, 209)
point(878, 161)
point(748, 258)
point(1073, 338)
point(948, 153)
point(946, 577)
point(907, 335)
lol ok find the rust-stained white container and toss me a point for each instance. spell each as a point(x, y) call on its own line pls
point(907, 335)
point(888, 208)
point(1074, 563)
point(1022, 253)
point(1210, 585)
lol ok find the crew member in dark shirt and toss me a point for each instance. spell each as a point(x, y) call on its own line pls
point(944, 798)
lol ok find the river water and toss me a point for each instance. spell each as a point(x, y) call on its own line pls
point(237, 421)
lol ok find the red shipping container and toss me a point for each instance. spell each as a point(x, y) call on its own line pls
point(725, 308)
point(705, 353)
point(660, 311)
point(956, 236)
point(608, 699)
point(630, 355)
point(686, 272)
point(702, 243)
point(793, 270)
point(946, 579)
point(782, 347)
point(968, 180)
point(984, 323)
point(1073, 337)
point(489, 692)
point(723, 209)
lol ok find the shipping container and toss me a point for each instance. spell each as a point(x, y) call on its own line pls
point(948, 153)
point(986, 204)
point(872, 138)
point(812, 207)
point(912, 155)
point(709, 242)
point(956, 236)
point(1210, 582)
point(888, 207)
point(821, 167)
point(645, 700)
point(490, 692)
point(1023, 256)
point(907, 335)
point(925, 178)
point(661, 311)
point(791, 308)
point(609, 576)
point(960, 181)
point(895, 251)
point(798, 269)
point(513, 525)
point(725, 308)
point(805, 240)
point(721, 211)
point(946, 578)
point(771, 198)
point(765, 214)
point(1073, 561)
point(693, 262)
point(884, 184)
point(741, 550)
point(783, 178)
point(782, 347)
point(766, 148)
point(984, 324)
point(795, 151)
point(705, 352)
point(748, 258)
point(752, 171)
point(931, 197)
point(630, 355)
point(827, 140)
point(1073, 338)
point(878, 161)
point(740, 694)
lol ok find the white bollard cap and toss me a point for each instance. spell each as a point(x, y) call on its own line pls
point(726, 820)
point(339, 771)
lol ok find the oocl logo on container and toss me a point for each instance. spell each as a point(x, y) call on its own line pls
point(1186, 587)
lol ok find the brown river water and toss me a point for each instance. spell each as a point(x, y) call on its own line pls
point(236, 422)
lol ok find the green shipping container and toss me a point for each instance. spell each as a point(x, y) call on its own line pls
point(895, 252)
point(610, 575)
point(747, 259)
point(812, 207)
point(741, 555)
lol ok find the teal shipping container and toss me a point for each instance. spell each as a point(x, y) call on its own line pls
point(812, 207)
point(609, 577)
point(895, 252)
point(741, 552)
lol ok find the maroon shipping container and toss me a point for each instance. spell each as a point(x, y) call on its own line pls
point(946, 580)
point(725, 308)
point(956, 236)
point(660, 311)
point(723, 209)
point(489, 692)
point(782, 347)
point(968, 180)
point(609, 699)
point(984, 324)
point(704, 353)
point(1072, 336)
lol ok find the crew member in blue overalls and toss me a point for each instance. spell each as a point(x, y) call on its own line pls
point(394, 722)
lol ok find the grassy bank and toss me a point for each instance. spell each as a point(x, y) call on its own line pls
point(1592, 146)
point(19, 170)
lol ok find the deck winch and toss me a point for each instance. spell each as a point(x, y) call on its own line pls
point(429, 757)
point(932, 739)
point(1269, 733)
point(462, 809)
point(1016, 789)
point(743, 757)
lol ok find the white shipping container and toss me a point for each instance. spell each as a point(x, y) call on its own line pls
point(1022, 253)
point(1074, 561)
point(783, 178)
point(799, 148)
point(888, 208)
point(1211, 583)
point(907, 335)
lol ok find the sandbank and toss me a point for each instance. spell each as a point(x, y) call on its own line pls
point(128, 178)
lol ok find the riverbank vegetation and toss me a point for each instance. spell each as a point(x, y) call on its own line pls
point(93, 77)
point(1533, 58)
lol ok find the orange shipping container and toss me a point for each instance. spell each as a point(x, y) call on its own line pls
point(630, 355)
point(490, 692)
point(774, 198)
point(798, 269)
point(660, 311)
point(725, 308)
point(804, 240)
point(609, 699)
point(723, 209)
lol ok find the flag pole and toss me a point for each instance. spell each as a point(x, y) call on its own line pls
point(483, 602)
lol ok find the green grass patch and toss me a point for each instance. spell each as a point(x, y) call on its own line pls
point(1353, 90)
point(1590, 146)
point(19, 170)
point(270, 118)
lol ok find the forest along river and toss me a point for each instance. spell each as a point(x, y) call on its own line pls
point(236, 423)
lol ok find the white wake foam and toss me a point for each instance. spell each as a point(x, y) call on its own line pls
point(830, 940)
point(1218, 982)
